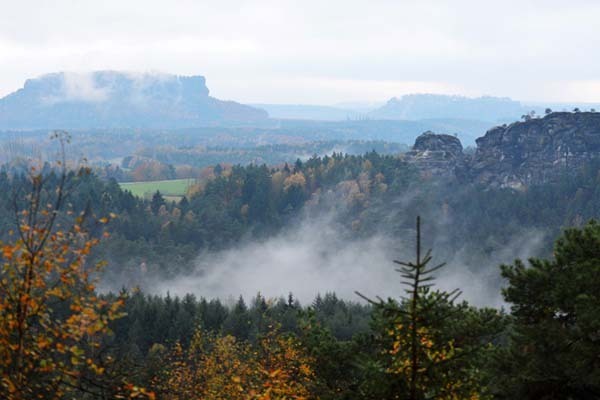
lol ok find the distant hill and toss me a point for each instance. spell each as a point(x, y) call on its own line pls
point(397, 131)
point(456, 112)
point(109, 99)
point(308, 112)
point(428, 106)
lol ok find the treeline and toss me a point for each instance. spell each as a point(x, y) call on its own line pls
point(165, 320)
point(346, 347)
point(172, 161)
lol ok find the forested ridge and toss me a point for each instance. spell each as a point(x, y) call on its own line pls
point(368, 193)
point(424, 343)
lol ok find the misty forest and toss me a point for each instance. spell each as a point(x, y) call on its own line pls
point(159, 242)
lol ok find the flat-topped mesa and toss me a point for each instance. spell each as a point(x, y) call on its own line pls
point(535, 151)
point(112, 99)
point(436, 154)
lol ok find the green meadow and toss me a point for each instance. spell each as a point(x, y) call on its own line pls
point(172, 189)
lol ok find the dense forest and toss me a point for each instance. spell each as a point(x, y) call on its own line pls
point(365, 194)
point(62, 338)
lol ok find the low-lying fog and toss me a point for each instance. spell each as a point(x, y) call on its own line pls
point(314, 258)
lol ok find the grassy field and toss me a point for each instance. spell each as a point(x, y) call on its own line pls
point(172, 189)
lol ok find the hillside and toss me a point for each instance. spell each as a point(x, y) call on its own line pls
point(110, 99)
point(426, 106)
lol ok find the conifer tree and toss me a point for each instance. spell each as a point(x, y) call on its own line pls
point(554, 346)
point(157, 201)
point(429, 349)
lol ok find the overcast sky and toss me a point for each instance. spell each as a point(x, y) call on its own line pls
point(319, 52)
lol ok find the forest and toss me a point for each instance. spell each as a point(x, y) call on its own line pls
point(365, 195)
point(78, 318)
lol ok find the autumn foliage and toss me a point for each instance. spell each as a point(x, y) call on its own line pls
point(222, 367)
point(51, 321)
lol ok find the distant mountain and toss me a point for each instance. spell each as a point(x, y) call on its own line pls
point(433, 106)
point(109, 99)
point(397, 131)
point(309, 112)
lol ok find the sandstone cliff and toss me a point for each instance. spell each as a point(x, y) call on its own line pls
point(436, 155)
point(516, 155)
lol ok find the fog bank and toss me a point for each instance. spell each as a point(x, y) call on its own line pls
point(315, 257)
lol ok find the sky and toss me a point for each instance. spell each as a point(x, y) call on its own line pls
point(316, 52)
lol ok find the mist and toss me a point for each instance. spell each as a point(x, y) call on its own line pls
point(316, 256)
point(97, 87)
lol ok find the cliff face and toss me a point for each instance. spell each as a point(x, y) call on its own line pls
point(535, 151)
point(517, 155)
point(115, 99)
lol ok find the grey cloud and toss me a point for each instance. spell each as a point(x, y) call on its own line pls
point(510, 48)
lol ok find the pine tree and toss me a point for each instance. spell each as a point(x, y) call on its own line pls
point(157, 202)
point(554, 346)
point(420, 336)
point(238, 323)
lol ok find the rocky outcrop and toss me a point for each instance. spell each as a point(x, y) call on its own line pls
point(109, 99)
point(446, 145)
point(515, 156)
point(535, 151)
point(436, 155)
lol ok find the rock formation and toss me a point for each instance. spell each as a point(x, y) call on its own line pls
point(436, 155)
point(108, 99)
point(536, 151)
point(517, 155)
